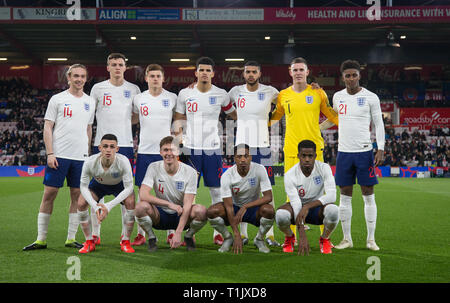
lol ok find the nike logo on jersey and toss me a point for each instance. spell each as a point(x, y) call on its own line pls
point(66, 104)
point(161, 181)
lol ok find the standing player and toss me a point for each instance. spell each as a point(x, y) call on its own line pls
point(172, 204)
point(253, 102)
point(357, 107)
point(106, 173)
point(302, 106)
point(155, 108)
point(114, 98)
point(241, 187)
point(67, 136)
point(201, 107)
point(310, 187)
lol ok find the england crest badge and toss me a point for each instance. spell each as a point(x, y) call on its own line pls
point(165, 102)
point(361, 101)
point(179, 185)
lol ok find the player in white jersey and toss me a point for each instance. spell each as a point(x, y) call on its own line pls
point(106, 173)
point(241, 187)
point(357, 107)
point(200, 106)
point(114, 103)
point(253, 102)
point(171, 206)
point(155, 108)
point(67, 136)
point(311, 189)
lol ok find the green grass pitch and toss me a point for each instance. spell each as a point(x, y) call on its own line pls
point(412, 232)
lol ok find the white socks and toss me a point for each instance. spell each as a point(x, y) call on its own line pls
point(283, 220)
point(215, 198)
point(85, 222)
point(147, 224)
point(194, 227)
point(43, 221)
point(264, 225)
point(345, 213)
point(370, 213)
point(219, 224)
point(330, 220)
point(73, 226)
point(128, 223)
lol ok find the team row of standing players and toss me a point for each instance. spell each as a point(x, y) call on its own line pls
point(118, 103)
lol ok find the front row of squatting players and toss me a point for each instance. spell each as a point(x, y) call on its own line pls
point(168, 178)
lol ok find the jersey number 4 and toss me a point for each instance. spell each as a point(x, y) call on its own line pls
point(161, 189)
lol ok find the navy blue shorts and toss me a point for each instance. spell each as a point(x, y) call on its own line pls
point(142, 163)
point(168, 221)
point(67, 169)
point(263, 156)
point(313, 216)
point(126, 151)
point(249, 216)
point(352, 166)
point(208, 163)
point(102, 190)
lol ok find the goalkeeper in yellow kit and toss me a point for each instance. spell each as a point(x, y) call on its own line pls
point(302, 106)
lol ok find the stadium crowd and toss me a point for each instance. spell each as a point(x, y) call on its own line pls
point(22, 109)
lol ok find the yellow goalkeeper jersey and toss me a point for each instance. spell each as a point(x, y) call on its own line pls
point(302, 112)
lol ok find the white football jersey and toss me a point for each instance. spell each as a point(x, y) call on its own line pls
point(155, 118)
point(253, 113)
point(71, 116)
point(355, 115)
point(202, 111)
point(319, 185)
point(120, 170)
point(246, 189)
point(113, 112)
point(171, 188)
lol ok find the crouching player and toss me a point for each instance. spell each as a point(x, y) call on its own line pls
point(106, 173)
point(311, 190)
point(241, 186)
point(172, 204)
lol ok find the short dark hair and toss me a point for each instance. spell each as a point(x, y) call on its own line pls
point(252, 63)
point(204, 60)
point(239, 146)
point(109, 137)
point(165, 140)
point(306, 144)
point(116, 56)
point(152, 67)
point(299, 60)
point(350, 64)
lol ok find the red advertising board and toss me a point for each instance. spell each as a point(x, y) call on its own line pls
point(425, 117)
